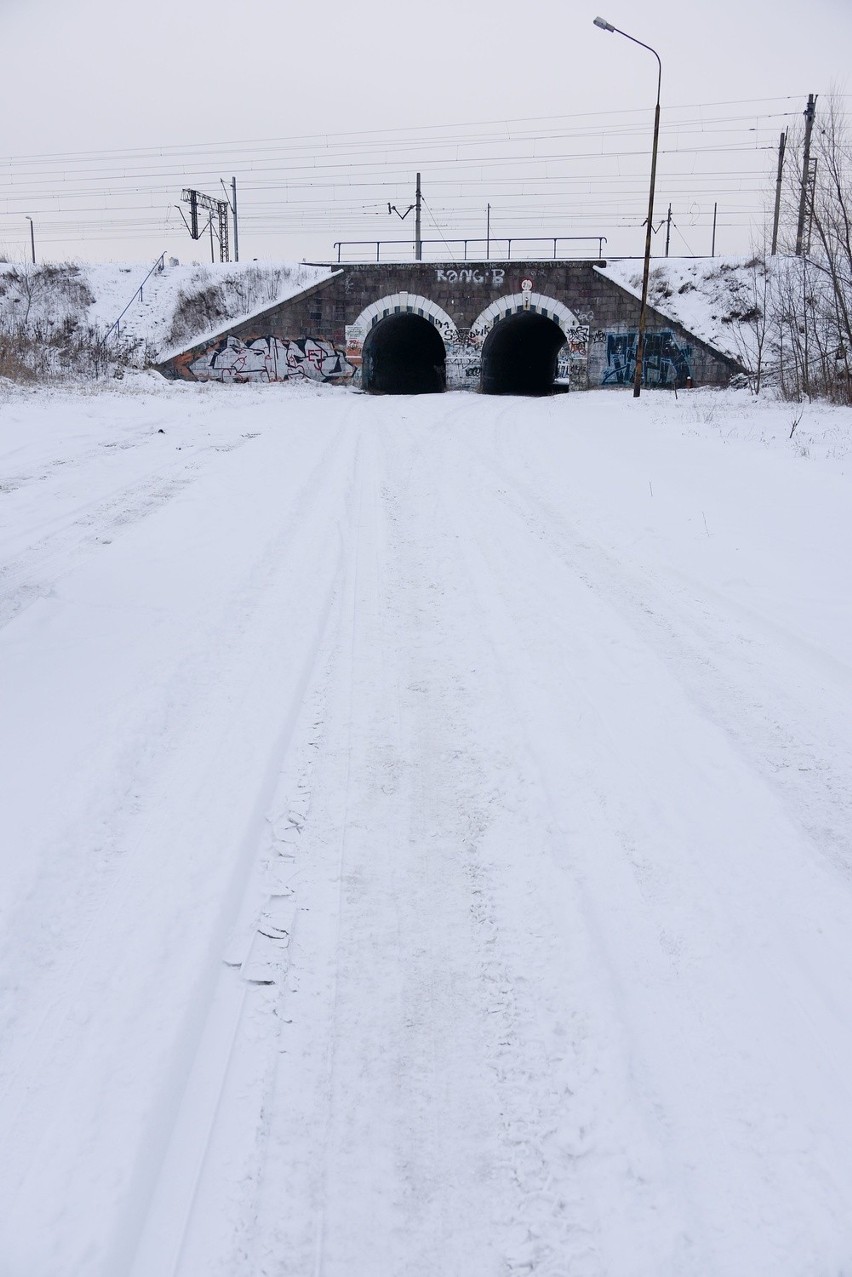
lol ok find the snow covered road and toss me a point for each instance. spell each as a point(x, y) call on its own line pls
point(427, 836)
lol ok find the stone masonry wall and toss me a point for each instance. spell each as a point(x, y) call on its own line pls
point(319, 333)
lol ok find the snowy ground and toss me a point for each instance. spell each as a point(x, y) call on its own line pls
point(426, 835)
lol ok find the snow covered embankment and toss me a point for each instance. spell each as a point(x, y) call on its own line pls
point(55, 317)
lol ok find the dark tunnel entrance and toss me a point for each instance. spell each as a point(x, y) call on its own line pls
point(404, 355)
point(519, 355)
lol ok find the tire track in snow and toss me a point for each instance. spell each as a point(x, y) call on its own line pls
point(71, 537)
point(205, 1210)
point(645, 892)
point(551, 1044)
point(119, 887)
point(312, 1095)
point(203, 1216)
point(788, 713)
point(44, 1049)
point(352, 601)
point(382, 1141)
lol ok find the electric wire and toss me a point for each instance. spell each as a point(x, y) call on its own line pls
point(564, 170)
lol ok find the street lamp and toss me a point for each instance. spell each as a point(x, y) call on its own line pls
point(32, 234)
point(640, 343)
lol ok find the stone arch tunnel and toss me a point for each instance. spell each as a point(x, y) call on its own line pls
point(519, 355)
point(404, 354)
point(420, 327)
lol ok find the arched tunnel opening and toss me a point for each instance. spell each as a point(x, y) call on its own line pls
point(519, 355)
point(404, 355)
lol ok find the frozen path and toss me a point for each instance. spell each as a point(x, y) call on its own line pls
point(429, 840)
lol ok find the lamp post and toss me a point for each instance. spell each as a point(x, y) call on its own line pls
point(32, 235)
point(640, 343)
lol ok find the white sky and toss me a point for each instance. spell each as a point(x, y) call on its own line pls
point(98, 76)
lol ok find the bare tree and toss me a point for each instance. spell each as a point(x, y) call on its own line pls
point(813, 315)
point(30, 281)
point(752, 311)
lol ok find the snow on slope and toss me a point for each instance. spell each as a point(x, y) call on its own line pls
point(708, 295)
point(232, 290)
point(426, 835)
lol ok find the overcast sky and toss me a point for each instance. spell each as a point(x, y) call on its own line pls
point(97, 76)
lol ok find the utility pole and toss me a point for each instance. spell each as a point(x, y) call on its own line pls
point(713, 243)
point(488, 232)
point(812, 165)
point(229, 202)
point(782, 146)
point(224, 248)
point(810, 112)
point(196, 200)
point(668, 229)
point(32, 235)
point(418, 242)
point(234, 214)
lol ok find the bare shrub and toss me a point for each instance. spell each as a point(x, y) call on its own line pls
point(45, 331)
point(197, 311)
point(208, 302)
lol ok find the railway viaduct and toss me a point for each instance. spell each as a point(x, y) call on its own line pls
point(500, 327)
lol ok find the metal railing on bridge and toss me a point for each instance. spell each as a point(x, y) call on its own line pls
point(486, 254)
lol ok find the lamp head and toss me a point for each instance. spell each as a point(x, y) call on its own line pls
point(603, 24)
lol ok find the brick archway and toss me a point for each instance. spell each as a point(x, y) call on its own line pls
point(539, 304)
point(400, 304)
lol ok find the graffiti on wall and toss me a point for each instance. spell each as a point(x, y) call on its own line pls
point(666, 361)
point(357, 333)
point(355, 337)
point(464, 359)
point(271, 359)
point(572, 364)
point(464, 351)
point(493, 275)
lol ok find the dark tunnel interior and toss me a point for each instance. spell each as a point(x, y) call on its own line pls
point(404, 355)
point(519, 355)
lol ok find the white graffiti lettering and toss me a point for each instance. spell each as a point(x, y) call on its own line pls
point(270, 359)
point(469, 275)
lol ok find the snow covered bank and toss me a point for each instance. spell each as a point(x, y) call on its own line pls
point(708, 295)
point(777, 316)
point(426, 835)
point(177, 303)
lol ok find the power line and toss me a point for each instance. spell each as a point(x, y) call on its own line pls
point(412, 131)
point(580, 168)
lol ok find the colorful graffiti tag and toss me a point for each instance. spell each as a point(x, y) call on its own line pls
point(666, 362)
point(599, 356)
point(271, 359)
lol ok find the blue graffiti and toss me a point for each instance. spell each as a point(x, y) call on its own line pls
point(666, 362)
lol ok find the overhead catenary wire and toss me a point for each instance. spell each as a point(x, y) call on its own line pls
point(359, 134)
point(579, 170)
point(438, 228)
